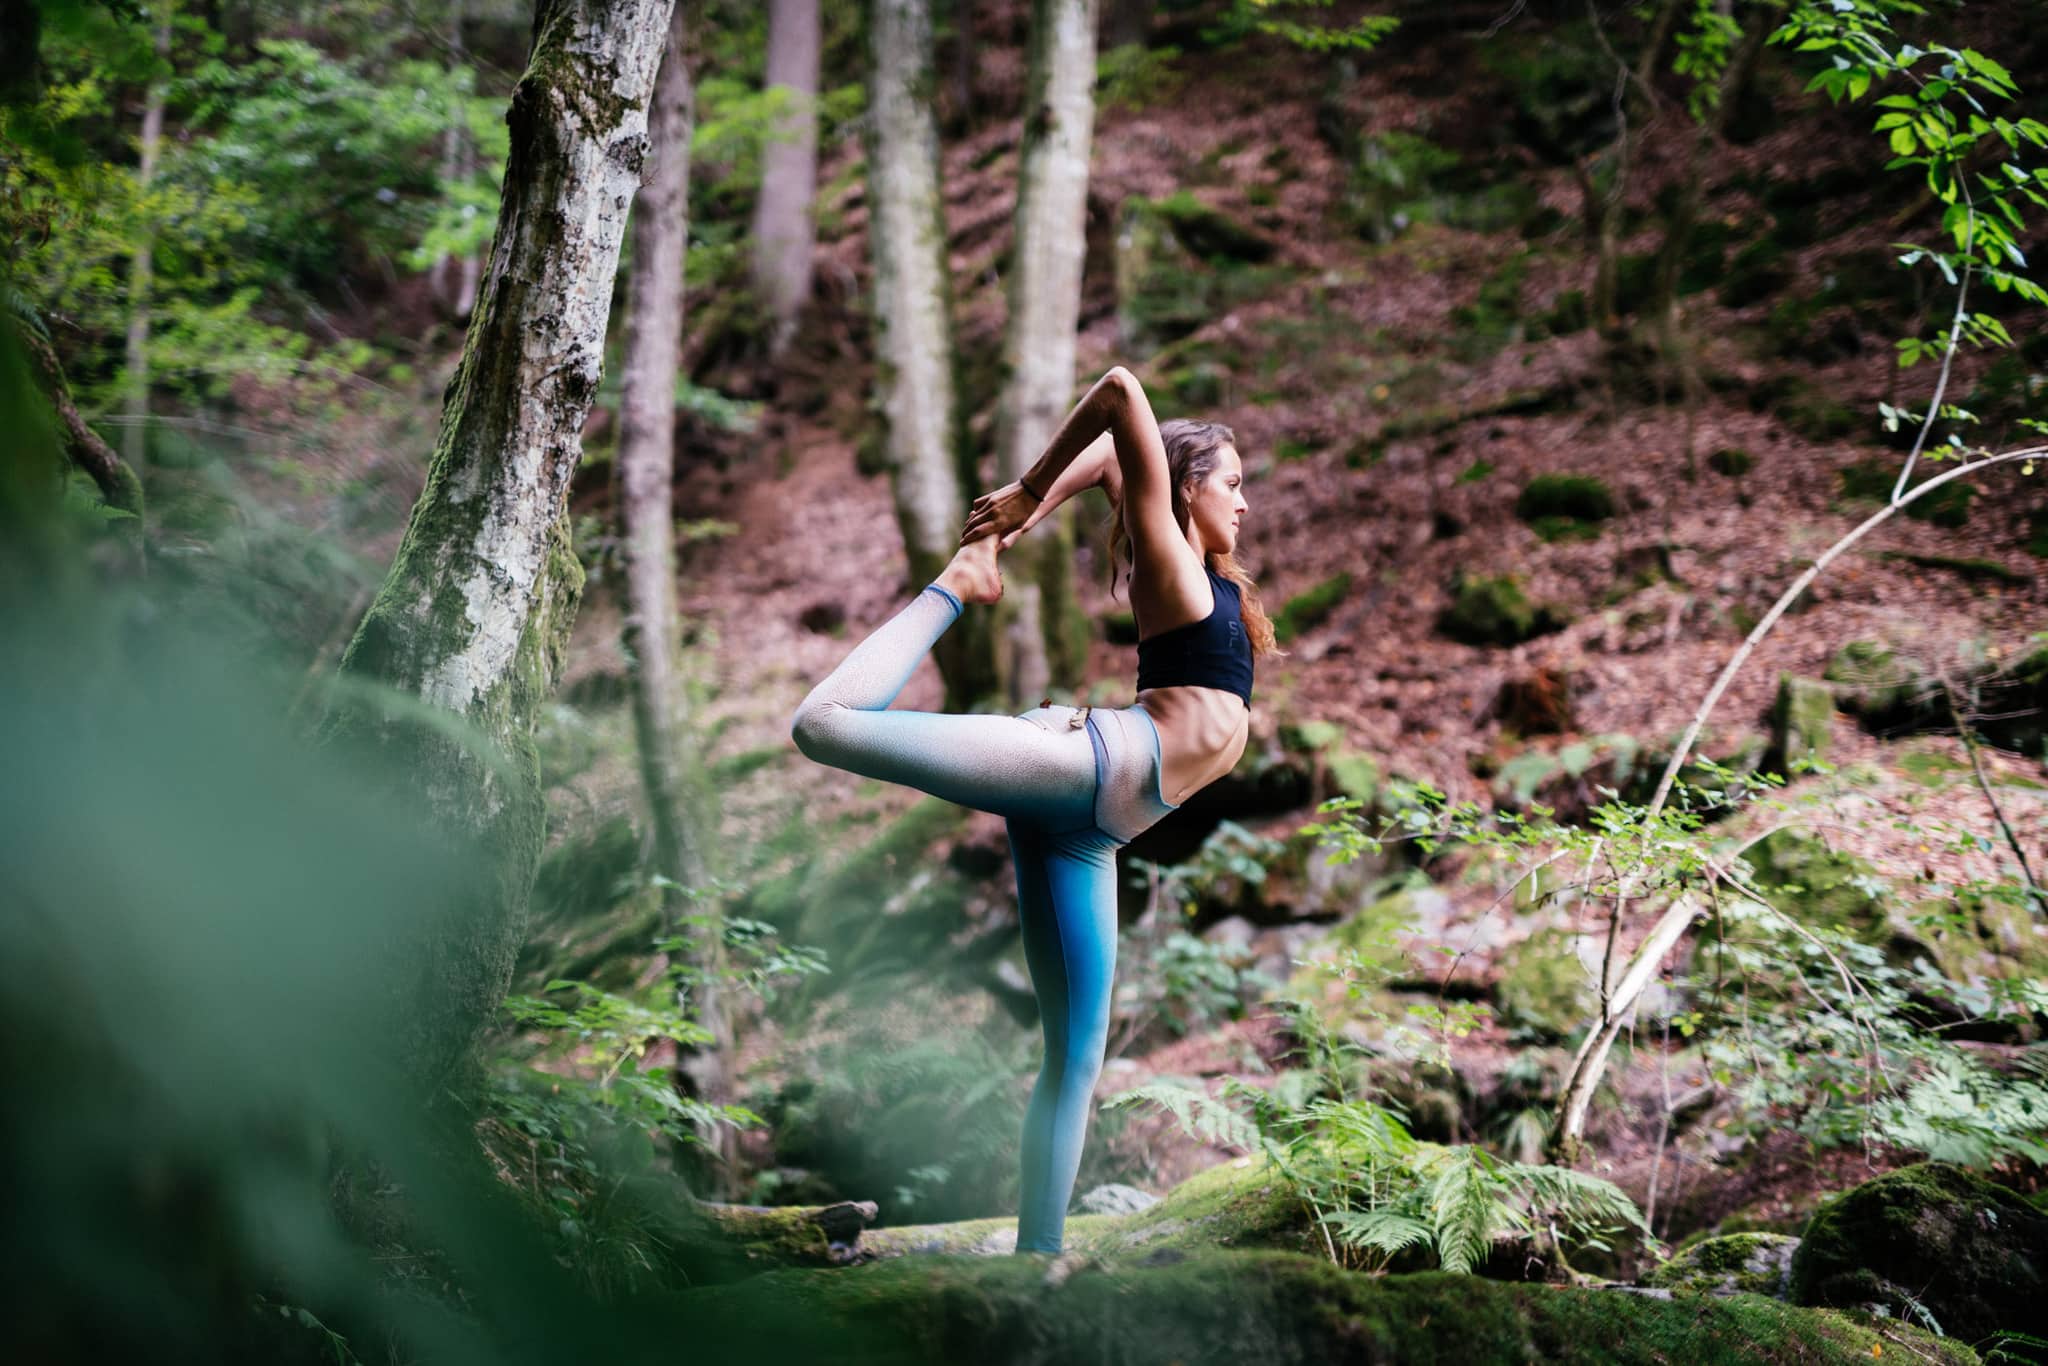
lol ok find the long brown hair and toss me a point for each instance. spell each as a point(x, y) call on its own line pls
point(1193, 451)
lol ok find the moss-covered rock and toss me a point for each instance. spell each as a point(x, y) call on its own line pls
point(1571, 497)
point(1732, 461)
point(1801, 717)
point(1735, 1263)
point(1545, 987)
point(1494, 611)
point(1179, 263)
point(1252, 1308)
point(1309, 609)
point(1818, 885)
point(1933, 1236)
point(1243, 1202)
point(1886, 690)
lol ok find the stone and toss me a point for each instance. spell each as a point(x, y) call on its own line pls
point(1733, 1264)
point(1932, 1236)
point(1116, 1199)
point(1801, 719)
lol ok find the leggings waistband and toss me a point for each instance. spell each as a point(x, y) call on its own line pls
point(1130, 793)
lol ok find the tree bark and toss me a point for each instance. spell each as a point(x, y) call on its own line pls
point(141, 267)
point(913, 334)
point(1046, 644)
point(789, 171)
point(678, 815)
point(117, 481)
point(474, 614)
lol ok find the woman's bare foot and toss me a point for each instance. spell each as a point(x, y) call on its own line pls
point(972, 576)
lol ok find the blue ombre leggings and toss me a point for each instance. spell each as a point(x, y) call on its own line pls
point(1074, 785)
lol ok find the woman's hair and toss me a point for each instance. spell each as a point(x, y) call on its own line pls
point(1192, 453)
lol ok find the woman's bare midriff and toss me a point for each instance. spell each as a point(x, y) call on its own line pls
point(1202, 734)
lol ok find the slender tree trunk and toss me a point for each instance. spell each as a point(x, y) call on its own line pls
point(455, 278)
point(141, 267)
point(913, 334)
point(678, 816)
point(789, 171)
point(475, 612)
point(1048, 639)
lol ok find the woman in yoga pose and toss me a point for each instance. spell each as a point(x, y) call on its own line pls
point(1075, 783)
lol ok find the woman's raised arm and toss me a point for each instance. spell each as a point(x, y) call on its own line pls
point(1117, 405)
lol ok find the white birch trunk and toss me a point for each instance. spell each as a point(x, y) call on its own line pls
point(907, 237)
point(475, 612)
point(789, 171)
point(678, 819)
point(1045, 310)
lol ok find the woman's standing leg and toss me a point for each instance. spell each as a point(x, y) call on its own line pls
point(1066, 901)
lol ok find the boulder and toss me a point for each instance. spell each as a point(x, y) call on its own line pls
point(1733, 1264)
point(1801, 718)
point(1930, 1241)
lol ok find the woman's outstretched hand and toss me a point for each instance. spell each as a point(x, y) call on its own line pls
point(1004, 513)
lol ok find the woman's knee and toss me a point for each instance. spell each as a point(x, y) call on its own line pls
point(813, 727)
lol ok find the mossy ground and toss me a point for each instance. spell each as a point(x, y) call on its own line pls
point(1217, 1305)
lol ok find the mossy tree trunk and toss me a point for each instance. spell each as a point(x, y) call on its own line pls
point(474, 614)
point(789, 171)
point(1047, 635)
point(913, 331)
point(679, 814)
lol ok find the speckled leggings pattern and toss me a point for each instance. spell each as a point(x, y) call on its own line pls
point(1073, 784)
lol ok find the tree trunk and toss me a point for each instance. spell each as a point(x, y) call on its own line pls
point(913, 334)
point(475, 612)
point(1046, 645)
point(455, 280)
point(678, 814)
point(1634, 103)
point(141, 267)
point(789, 171)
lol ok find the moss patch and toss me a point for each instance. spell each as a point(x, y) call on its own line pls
point(1735, 1263)
point(1307, 610)
point(1974, 1254)
point(1495, 611)
point(1259, 1308)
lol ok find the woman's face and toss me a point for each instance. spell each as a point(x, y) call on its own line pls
point(1216, 504)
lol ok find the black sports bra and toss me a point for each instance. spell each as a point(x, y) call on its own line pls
point(1214, 652)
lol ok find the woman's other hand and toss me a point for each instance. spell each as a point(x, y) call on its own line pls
point(1006, 513)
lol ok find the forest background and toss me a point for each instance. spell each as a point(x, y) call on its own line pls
point(450, 439)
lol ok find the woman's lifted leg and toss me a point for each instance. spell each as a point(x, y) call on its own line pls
point(1003, 764)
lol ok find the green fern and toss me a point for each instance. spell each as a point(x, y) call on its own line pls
point(1380, 1231)
point(1469, 1205)
point(1202, 1117)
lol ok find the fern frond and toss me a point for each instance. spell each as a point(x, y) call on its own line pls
point(1375, 1130)
point(1579, 1198)
point(1467, 1205)
point(1379, 1230)
point(1199, 1115)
